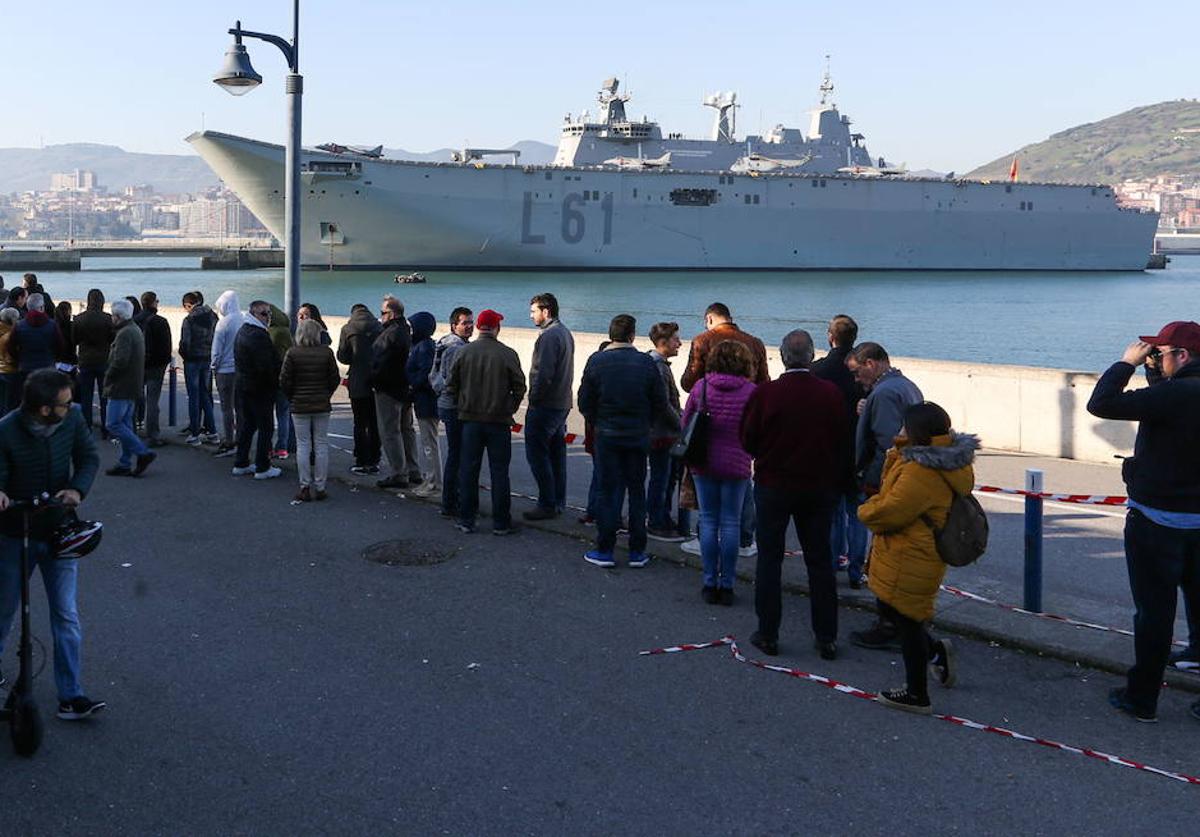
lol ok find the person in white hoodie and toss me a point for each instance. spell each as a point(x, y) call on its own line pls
point(231, 319)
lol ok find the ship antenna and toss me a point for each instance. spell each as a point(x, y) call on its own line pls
point(827, 86)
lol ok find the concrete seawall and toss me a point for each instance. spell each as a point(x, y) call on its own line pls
point(1017, 408)
point(32, 260)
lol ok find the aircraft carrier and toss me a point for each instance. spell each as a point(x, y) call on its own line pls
point(622, 195)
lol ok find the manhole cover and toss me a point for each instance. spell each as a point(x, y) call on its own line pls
point(405, 554)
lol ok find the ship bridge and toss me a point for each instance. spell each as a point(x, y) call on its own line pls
point(613, 139)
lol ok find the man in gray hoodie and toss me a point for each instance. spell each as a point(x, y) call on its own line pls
point(551, 373)
point(222, 363)
point(880, 417)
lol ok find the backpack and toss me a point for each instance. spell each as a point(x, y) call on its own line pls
point(964, 537)
point(436, 377)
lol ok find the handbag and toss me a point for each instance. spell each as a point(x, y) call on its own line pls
point(692, 444)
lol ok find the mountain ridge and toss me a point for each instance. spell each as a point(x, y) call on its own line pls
point(29, 169)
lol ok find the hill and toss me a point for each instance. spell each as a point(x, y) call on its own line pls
point(1143, 142)
point(29, 169)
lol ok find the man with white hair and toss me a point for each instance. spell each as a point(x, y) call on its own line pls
point(122, 385)
point(36, 341)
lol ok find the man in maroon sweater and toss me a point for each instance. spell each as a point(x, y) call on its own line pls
point(797, 429)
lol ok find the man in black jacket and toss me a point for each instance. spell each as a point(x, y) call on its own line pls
point(393, 400)
point(93, 331)
point(1162, 529)
point(849, 536)
point(257, 368)
point(195, 349)
point(622, 395)
point(158, 357)
point(355, 351)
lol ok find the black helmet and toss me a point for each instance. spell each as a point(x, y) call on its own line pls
point(75, 538)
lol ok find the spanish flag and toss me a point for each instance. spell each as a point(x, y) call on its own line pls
point(1012, 171)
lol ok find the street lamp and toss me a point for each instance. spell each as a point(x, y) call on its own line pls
point(238, 77)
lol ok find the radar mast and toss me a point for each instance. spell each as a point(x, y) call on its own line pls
point(827, 87)
point(726, 122)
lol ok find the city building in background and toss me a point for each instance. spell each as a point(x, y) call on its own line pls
point(76, 207)
point(1176, 198)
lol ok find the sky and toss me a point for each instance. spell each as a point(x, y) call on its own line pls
point(946, 86)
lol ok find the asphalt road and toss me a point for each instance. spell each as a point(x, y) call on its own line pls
point(263, 678)
point(1084, 573)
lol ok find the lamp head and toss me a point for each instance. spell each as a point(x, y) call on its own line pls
point(236, 75)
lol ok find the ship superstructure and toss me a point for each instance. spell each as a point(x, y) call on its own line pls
point(622, 195)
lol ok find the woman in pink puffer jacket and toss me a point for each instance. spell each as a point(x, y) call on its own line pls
point(724, 479)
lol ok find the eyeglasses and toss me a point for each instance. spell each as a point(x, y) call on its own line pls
point(58, 405)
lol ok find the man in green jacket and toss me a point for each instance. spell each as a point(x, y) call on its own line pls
point(122, 385)
point(46, 447)
point(487, 384)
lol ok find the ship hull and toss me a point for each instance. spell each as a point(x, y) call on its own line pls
point(377, 214)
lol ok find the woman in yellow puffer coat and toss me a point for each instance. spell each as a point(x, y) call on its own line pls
point(929, 465)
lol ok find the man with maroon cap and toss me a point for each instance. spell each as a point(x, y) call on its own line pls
point(487, 385)
point(1162, 528)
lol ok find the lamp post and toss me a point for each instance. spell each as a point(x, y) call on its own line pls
point(238, 77)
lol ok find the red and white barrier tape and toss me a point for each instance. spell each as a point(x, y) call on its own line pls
point(1083, 499)
point(1066, 620)
point(965, 723)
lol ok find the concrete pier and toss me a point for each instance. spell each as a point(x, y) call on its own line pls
point(31, 260)
point(241, 259)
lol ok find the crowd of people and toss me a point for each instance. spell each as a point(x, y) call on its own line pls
point(844, 449)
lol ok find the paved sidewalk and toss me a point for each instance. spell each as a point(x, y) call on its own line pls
point(264, 679)
point(1084, 576)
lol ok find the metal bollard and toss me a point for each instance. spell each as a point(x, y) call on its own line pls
point(1033, 541)
point(171, 410)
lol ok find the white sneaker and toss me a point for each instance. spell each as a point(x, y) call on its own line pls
point(194, 441)
point(211, 438)
point(691, 546)
point(242, 471)
point(427, 489)
point(269, 474)
point(748, 551)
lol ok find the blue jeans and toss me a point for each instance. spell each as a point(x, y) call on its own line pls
point(60, 579)
point(120, 424)
point(721, 504)
point(496, 439)
point(197, 378)
point(453, 455)
point(622, 466)
point(849, 535)
point(660, 488)
point(546, 453)
point(283, 422)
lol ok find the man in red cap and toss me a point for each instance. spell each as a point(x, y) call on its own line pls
point(1162, 529)
point(487, 384)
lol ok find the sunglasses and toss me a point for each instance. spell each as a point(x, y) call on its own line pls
point(1156, 354)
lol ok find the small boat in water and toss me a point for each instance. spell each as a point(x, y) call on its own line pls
point(410, 279)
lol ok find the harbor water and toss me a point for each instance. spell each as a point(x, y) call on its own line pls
point(1078, 321)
